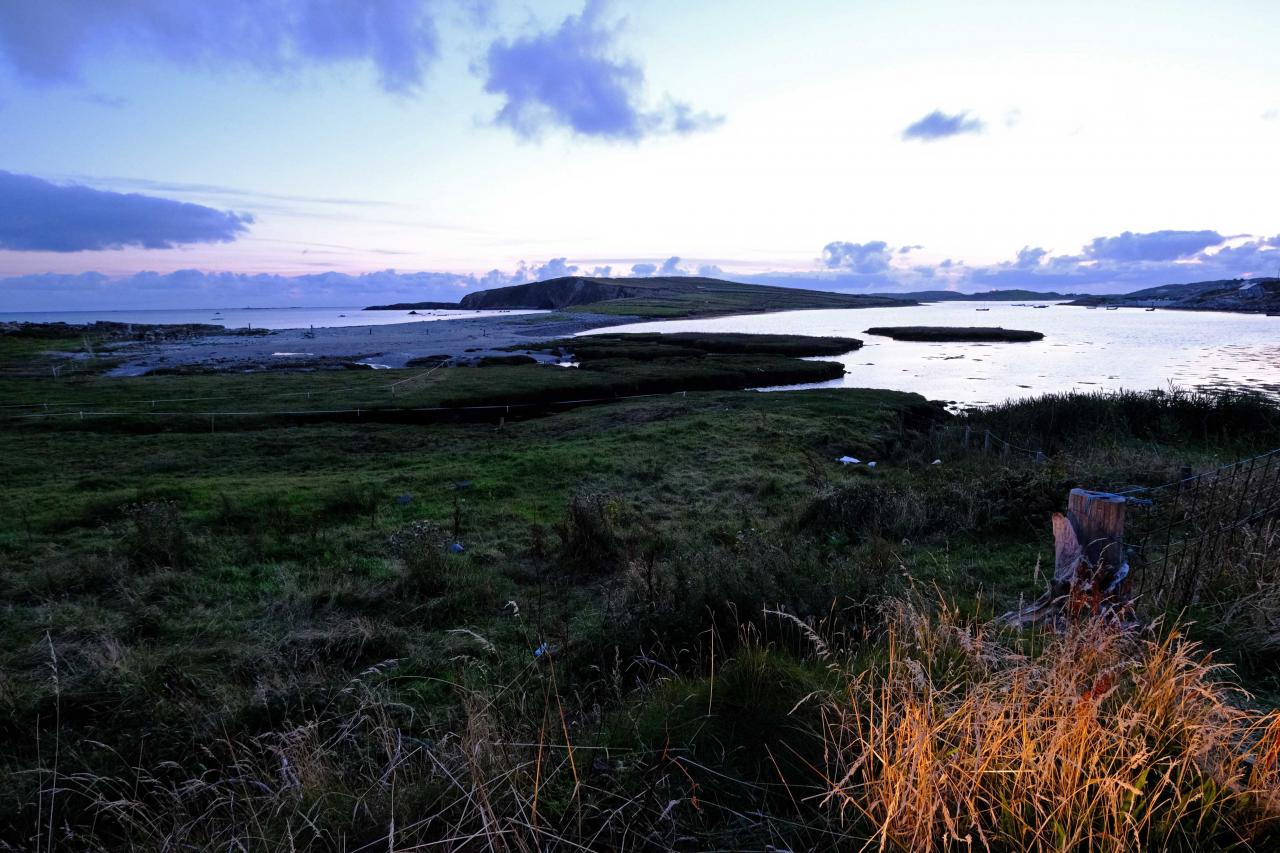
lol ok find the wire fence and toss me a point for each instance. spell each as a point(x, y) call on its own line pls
point(950, 439)
point(74, 407)
point(372, 412)
point(1184, 535)
point(1200, 537)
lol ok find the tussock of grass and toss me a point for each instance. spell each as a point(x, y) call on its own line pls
point(1100, 740)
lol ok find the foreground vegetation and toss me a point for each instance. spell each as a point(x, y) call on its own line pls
point(663, 623)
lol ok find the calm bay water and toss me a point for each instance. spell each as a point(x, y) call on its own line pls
point(1082, 350)
point(258, 318)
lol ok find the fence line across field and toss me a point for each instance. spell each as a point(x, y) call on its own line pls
point(496, 408)
point(986, 441)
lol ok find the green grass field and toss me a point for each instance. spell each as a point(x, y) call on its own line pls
point(262, 622)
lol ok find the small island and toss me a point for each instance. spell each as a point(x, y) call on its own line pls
point(947, 334)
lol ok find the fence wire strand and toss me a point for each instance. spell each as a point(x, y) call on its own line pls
point(1180, 533)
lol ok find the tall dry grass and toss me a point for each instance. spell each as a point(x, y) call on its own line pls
point(507, 774)
point(1094, 740)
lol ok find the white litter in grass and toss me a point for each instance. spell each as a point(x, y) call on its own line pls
point(846, 460)
point(871, 464)
point(936, 462)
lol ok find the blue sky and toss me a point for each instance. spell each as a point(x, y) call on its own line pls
point(296, 151)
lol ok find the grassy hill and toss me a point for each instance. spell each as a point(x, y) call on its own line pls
point(663, 297)
point(1255, 295)
point(987, 296)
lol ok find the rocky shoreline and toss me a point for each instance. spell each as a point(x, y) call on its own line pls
point(361, 347)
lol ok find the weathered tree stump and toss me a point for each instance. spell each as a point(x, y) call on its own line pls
point(1090, 572)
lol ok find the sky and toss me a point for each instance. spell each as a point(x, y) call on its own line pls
point(197, 153)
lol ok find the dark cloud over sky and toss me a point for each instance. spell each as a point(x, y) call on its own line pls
point(671, 266)
point(1029, 257)
point(571, 77)
point(872, 257)
point(940, 125)
point(48, 41)
point(36, 215)
point(1156, 246)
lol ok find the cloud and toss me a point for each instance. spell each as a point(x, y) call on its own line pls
point(671, 266)
point(187, 188)
point(50, 41)
point(570, 77)
point(940, 125)
point(36, 215)
point(1271, 115)
point(554, 268)
point(1029, 258)
point(1240, 257)
point(602, 271)
point(1110, 264)
point(185, 288)
point(872, 257)
point(1154, 246)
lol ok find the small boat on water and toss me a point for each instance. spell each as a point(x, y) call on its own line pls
point(1151, 309)
point(1113, 307)
point(1039, 306)
point(981, 309)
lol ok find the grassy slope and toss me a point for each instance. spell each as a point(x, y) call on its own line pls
point(669, 297)
point(676, 306)
point(283, 586)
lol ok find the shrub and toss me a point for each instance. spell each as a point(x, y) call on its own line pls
point(590, 541)
point(156, 535)
point(688, 585)
point(423, 549)
point(353, 499)
point(937, 502)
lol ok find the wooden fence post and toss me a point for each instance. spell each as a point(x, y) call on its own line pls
point(1090, 574)
point(1098, 521)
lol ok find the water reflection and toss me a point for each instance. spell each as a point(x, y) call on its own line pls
point(1082, 349)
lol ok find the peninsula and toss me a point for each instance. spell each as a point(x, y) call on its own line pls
point(659, 297)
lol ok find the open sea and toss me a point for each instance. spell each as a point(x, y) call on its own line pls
point(257, 318)
point(1083, 349)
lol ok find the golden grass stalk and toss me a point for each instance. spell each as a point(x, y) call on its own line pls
point(1099, 741)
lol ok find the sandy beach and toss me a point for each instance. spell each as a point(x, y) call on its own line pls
point(384, 346)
